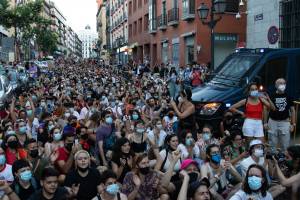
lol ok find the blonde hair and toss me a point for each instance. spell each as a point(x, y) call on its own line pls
point(81, 151)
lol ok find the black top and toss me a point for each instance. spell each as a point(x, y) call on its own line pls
point(60, 194)
point(126, 168)
point(23, 193)
point(88, 184)
point(139, 147)
point(283, 104)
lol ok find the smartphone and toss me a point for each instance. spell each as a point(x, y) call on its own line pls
point(76, 142)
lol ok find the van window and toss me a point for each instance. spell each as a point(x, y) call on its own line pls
point(272, 70)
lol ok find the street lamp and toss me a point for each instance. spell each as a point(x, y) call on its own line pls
point(217, 7)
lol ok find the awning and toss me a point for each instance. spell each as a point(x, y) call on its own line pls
point(188, 34)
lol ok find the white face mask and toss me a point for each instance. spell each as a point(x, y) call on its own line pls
point(281, 87)
point(258, 153)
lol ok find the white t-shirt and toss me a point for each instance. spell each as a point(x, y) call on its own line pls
point(33, 129)
point(83, 113)
point(167, 163)
point(241, 195)
point(245, 164)
point(185, 153)
point(7, 173)
point(169, 122)
point(161, 138)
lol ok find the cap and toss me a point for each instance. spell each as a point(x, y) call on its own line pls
point(187, 162)
point(255, 142)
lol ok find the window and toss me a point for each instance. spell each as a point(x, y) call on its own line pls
point(189, 50)
point(146, 22)
point(130, 8)
point(134, 5)
point(175, 54)
point(145, 2)
point(272, 70)
point(232, 6)
point(152, 15)
point(130, 30)
point(188, 8)
point(140, 25)
point(290, 24)
point(164, 52)
point(134, 28)
point(140, 3)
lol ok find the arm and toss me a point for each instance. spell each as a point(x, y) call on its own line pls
point(101, 151)
point(116, 169)
point(12, 110)
point(186, 113)
point(66, 166)
point(184, 187)
point(168, 175)
point(266, 103)
point(234, 108)
point(287, 182)
point(204, 174)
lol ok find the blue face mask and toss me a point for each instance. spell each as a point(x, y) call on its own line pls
point(206, 136)
point(23, 129)
point(135, 117)
point(50, 127)
point(189, 142)
point(29, 113)
point(113, 189)
point(26, 175)
point(254, 183)
point(254, 93)
point(2, 159)
point(216, 158)
point(109, 120)
point(57, 136)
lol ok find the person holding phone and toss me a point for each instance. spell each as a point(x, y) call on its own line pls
point(254, 106)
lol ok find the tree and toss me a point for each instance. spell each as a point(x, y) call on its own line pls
point(27, 23)
point(46, 40)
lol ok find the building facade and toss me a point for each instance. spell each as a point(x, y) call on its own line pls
point(59, 26)
point(171, 32)
point(89, 40)
point(101, 29)
point(118, 29)
point(273, 24)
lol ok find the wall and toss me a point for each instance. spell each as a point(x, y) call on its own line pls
point(257, 30)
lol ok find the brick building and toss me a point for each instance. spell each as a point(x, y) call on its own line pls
point(171, 31)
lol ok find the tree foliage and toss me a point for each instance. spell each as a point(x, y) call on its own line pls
point(29, 24)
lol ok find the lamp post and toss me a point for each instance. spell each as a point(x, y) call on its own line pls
point(217, 7)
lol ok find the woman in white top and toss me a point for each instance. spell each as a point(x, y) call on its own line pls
point(255, 185)
point(188, 147)
point(171, 142)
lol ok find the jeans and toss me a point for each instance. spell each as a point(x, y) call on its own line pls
point(279, 134)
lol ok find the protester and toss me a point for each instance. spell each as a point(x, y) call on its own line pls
point(254, 105)
point(85, 130)
point(255, 185)
point(281, 120)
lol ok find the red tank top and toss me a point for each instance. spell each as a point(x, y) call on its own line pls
point(254, 111)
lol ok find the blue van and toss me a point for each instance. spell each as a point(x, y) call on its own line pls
point(230, 80)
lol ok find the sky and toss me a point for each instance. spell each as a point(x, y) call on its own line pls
point(78, 13)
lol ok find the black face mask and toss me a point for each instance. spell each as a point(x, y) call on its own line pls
point(193, 177)
point(69, 146)
point(34, 153)
point(13, 144)
point(82, 169)
point(84, 136)
point(145, 170)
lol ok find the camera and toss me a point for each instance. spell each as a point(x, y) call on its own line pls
point(280, 156)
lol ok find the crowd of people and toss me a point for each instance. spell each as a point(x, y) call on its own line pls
point(87, 131)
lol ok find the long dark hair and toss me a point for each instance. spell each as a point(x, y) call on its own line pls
point(117, 153)
point(294, 151)
point(264, 186)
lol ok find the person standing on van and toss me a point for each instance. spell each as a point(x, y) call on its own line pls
point(254, 106)
point(282, 120)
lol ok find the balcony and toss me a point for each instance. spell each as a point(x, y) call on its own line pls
point(188, 11)
point(162, 22)
point(173, 17)
point(152, 26)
